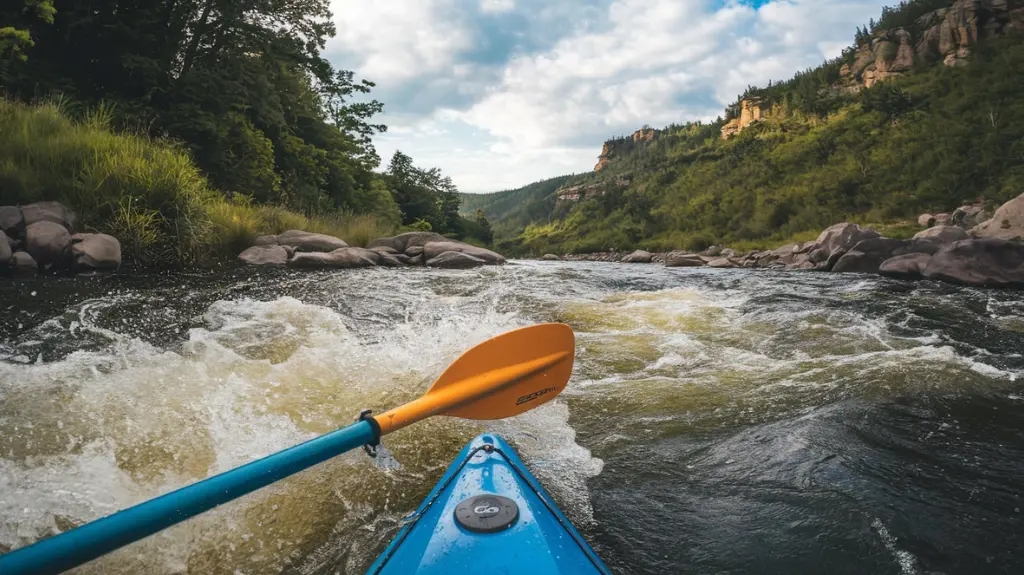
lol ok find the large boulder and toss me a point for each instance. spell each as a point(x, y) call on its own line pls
point(402, 242)
point(433, 249)
point(48, 212)
point(943, 220)
point(390, 260)
point(905, 267)
point(309, 242)
point(5, 250)
point(721, 263)
point(942, 234)
point(342, 258)
point(413, 251)
point(265, 255)
point(23, 264)
point(638, 257)
point(926, 220)
point(841, 238)
point(868, 255)
point(454, 260)
point(384, 250)
point(553, 258)
point(11, 221)
point(95, 252)
point(265, 241)
point(683, 260)
point(1006, 224)
point(47, 242)
point(986, 262)
point(969, 216)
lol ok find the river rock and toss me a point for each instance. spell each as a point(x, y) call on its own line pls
point(551, 258)
point(988, 262)
point(926, 220)
point(432, 250)
point(310, 242)
point(265, 241)
point(413, 251)
point(1006, 224)
point(23, 264)
point(905, 267)
point(403, 259)
point(453, 260)
point(342, 258)
point(48, 212)
point(943, 219)
point(638, 257)
point(265, 255)
point(5, 250)
point(47, 242)
point(416, 260)
point(95, 252)
point(969, 216)
point(867, 256)
point(721, 263)
point(683, 260)
point(841, 238)
point(942, 234)
point(11, 221)
point(402, 242)
point(389, 260)
point(384, 250)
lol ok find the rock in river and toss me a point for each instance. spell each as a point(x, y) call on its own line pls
point(340, 258)
point(979, 262)
point(431, 250)
point(265, 255)
point(455, 260)
point(47, 242)
point(95, 252)
point(905, 267)
point(309, 242)
point(638, 257)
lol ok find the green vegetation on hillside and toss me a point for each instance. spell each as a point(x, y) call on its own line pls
point(510, 211)
point(927, 141)
point(146, 192)
point(186, 104)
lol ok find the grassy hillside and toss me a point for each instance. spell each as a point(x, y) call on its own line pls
point(513, 210)
point(147, 192)
point(929, 140)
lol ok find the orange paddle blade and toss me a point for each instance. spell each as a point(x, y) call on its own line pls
point(501, 377)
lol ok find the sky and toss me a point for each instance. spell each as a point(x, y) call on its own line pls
point(502, 93)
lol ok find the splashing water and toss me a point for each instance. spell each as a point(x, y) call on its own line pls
point(713, 415)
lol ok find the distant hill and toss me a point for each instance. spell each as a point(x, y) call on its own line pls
point(922, 113)
point(510, 211)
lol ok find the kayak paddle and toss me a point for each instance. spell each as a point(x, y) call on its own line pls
point(501, 377)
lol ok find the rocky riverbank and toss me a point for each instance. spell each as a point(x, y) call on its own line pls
point(41, 238)
point(298, 249)
point(968, 250)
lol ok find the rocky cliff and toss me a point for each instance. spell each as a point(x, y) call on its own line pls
point(750, 113)
point(947, 35)
point(622, 146)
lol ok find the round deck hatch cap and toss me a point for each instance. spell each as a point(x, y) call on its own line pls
point(486, 513)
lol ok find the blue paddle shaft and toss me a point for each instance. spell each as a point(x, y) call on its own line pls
point(85, 543)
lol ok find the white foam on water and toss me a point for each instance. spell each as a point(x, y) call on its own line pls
point(905, 559)
point(102, 430)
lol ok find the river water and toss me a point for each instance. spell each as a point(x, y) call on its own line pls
point(718, 421)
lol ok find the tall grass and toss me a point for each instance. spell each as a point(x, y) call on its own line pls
point(146, 192)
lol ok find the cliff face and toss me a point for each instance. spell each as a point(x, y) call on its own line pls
point(622, 146)
point(946, 35)
point(750, 112)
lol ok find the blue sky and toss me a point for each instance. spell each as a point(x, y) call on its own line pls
point(501, 93)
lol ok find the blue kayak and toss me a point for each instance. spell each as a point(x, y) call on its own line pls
point(488, 514)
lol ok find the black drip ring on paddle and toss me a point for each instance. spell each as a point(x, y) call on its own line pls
point(371, 448)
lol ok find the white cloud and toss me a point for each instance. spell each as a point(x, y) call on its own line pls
point(497, 6)
point(616, 66)
point(397, 40)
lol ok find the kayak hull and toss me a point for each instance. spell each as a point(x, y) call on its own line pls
point(488, 514)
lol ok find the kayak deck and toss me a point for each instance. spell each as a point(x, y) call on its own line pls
point(488, 514)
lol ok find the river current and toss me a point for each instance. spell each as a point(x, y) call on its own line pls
point(717, 421)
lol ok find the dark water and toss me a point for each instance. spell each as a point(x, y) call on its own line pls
point(718, 421)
